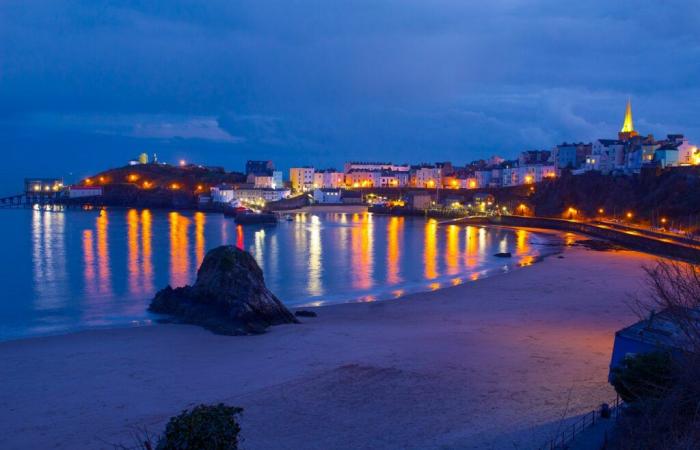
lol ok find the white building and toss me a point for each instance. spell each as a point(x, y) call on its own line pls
point(527, 174)
point(326, 195)
point(606, 155)
point(686, 151)
point(371, 166)
point(301, 178)
point(84, 191)
point(390, 178)
point(228, 194)
point(329, 178)
point(426, 176)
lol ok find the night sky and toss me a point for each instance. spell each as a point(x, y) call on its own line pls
point(85, 85)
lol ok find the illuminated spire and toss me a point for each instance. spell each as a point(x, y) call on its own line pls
point(628, 126)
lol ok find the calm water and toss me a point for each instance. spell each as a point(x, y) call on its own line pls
point(65, 271)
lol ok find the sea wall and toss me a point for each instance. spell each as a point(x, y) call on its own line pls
point(639, 242)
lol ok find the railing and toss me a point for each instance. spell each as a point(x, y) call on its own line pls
point(562, 439)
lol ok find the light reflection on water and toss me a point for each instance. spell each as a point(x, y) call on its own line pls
point(102, 267)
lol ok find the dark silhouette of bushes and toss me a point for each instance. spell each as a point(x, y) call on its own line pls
point(663, 389)
point(643, 377)
point(205, 427)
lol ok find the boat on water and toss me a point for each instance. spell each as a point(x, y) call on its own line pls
point(288, 218)
point(235, 211)
point(250, 217)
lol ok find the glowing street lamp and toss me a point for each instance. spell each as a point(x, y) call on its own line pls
point(629, 215)
point(601, 211)
point(183, 163)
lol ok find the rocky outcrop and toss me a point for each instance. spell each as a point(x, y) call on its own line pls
point(229, 296)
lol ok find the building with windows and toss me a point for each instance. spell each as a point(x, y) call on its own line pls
point(687, 152)
point(371, 166)
point(572, 156)
point(483, 178)
point(272, 180)
point(527, 174)
point(44, 185)
point(358, 178)
point(390, 178)
point(666, 156)
point(606, 155)
point(426, 176)
point(79, 191)
point(225, 193)
point(301, 178)
point(327, 195)
point(329, 178)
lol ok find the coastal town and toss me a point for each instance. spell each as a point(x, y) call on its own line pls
point(367, 225)
point(415, 186)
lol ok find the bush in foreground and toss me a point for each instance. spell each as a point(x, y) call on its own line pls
point(205, 427)
point(644, 377)
point(662, 390)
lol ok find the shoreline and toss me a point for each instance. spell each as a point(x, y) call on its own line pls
point(417, 287)
point(479, 365)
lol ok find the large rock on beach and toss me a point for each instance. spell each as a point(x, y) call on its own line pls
point(229, 296)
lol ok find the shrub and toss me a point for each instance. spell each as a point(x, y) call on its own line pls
point(647, 376)
point(205, 427)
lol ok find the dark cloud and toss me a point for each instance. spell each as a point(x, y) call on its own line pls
point(320, 81)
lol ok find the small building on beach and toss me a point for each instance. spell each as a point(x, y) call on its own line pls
point(327, 195)
point(80, 191)
point(662, 331)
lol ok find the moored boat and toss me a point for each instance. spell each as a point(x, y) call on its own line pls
point(256, 218)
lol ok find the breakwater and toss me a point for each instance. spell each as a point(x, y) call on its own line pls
point(633, 241)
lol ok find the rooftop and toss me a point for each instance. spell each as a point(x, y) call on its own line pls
point(661, 329)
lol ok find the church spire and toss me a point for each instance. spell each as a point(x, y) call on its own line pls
point(628, 126)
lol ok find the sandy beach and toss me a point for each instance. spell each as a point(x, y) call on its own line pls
point(487, 365)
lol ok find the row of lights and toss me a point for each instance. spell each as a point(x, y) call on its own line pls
point(471, 184)
point(55, 187)
point(393, 183)
point(145, 184)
